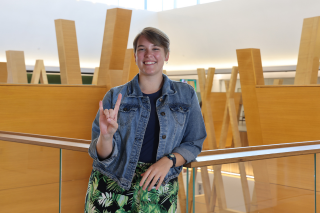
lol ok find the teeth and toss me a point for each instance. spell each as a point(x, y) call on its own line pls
point(149, 62)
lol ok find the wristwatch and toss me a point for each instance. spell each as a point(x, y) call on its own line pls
point(173, 158)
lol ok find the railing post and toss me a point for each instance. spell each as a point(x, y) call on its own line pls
point(60, 180)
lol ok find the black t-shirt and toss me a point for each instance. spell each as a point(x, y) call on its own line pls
point(150, 144)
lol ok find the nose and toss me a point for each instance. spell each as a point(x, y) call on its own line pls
point(147, 53)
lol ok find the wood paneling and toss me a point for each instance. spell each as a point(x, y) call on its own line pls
point(23, 165)
point(3, 72)
point(68, 52)
point(289, 113)
point(57, 110)
point(130, 69)
point(64, 111)
point(114, 45)
point(251, 74)
point(16, 67)
point(36, 199)
point(309, 52)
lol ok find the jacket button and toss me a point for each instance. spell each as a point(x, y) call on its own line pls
point(160, 99)
point(163, 113)
point(164, 136)
point(125, 109)
point(181, 108)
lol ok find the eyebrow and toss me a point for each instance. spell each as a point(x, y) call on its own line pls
point(143, 45)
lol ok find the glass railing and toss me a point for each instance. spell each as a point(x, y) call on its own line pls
point(265, 179)
point(50, 174)
point(43, 173)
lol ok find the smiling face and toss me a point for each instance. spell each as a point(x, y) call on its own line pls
point(149, 57)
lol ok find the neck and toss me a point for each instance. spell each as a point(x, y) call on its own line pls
point(150, 84)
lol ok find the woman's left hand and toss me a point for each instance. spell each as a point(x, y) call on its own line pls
point(155, 172)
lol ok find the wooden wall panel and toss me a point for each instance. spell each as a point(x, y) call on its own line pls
point(218, 103)
point(68, 52)
point(251, 74)
point(65, 111)
point(309, 52)
point(36, 199)
point(289, 113)
point(3, 72)
point(114, 45)
point(16, 67)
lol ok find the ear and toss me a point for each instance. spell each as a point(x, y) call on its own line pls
point(135, 60)
point(167, 56)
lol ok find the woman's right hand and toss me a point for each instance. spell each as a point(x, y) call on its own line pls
point(108, 120)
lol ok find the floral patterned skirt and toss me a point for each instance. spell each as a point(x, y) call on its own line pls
point(105, 196)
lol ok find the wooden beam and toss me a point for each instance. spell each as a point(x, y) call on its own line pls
point(182, 193)
point(70, 72)
point(16, 67)
point(205, 84)
point(114, 45)
point(39, 73)
point(130, 69)
point(251, 75)
point(95, 76)
point(164, 72)
point(277, 81)
point(309, 52)
point(3, 72)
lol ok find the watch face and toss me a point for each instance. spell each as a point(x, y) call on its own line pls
point(171, 155)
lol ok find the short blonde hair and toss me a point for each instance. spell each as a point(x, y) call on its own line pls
point(155, 36)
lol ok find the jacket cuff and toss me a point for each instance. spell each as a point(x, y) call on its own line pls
point(93, 153)
point(186, 154)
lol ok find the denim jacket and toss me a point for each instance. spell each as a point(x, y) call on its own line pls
point(182, 128)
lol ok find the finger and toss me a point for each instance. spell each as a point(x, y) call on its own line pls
point(116, 108)
point(111, 113)
point(160, 182)
point(100, 108)
point(149, 179)
point(106, 112)
point(146, 174)
point(113, 123)
point(154, 181)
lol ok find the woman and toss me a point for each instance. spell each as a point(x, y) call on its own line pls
point(143, 133)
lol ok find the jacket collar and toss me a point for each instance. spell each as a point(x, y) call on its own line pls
point(135, 91)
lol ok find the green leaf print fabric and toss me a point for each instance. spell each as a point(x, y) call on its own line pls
point(105, 196)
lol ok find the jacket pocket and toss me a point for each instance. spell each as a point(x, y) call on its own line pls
point(126, 113)
point(179, 112)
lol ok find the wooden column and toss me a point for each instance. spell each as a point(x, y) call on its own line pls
point(309, 52)
point(95, 76)
point(277, 81)
point(205, 84)
point(251, 74)
point(130, 69)
point(16, 67)
point(39, 73)
point(3, 72)
point(68, 52)
point(114, 46)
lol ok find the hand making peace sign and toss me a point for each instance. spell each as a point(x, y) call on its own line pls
point(108, 119)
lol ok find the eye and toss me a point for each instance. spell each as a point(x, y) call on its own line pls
point(156, 49)
point(140, 49)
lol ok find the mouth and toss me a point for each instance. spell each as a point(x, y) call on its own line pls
point(149, 62)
